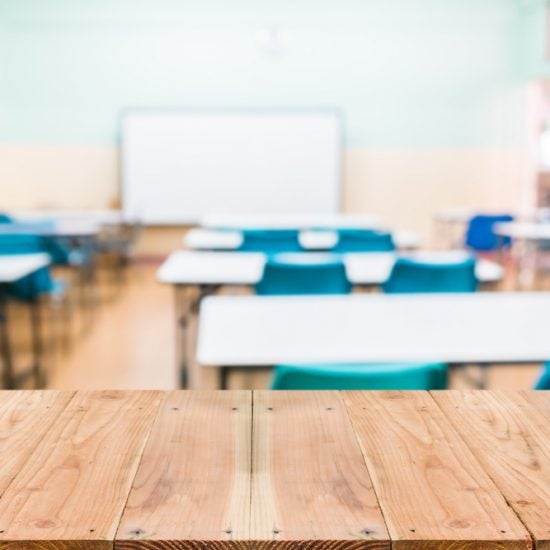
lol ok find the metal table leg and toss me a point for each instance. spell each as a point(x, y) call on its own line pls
point(37, 348)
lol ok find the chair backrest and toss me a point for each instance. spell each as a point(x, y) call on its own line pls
point(39, 282)
point(30, 243)
point(364, 240)
point(429, 376)
point(304, 273)
point(270, 241)
point(415, 276)
point(480, 235)
point(22, 243)
point(543, 383)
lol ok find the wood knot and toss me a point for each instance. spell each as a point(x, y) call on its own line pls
point(524, 502)
point(460, 524)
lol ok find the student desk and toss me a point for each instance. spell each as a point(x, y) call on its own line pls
point(450, 226)
point(62, 228)
point(290, 221)
point(208, 270)
point(246, 268)
point(13, 268)
point(258, 470)
point(208, 239)
point(477, 328)
point(529, 235)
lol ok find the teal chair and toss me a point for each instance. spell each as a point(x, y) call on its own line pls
point(270, 241)
point(363, 240)
point(304, 273)
point(415, 276)
point(543, 383)
point(428, 376)
point(30, 287)
point(480, 236)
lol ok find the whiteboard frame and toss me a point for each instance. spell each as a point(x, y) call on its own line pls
point(285, 111)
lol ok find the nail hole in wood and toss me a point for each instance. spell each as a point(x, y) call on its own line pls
point(92, 530)
point(412, 530)
point(329, 409)
point(269, 408)
point(502, 531)
point(228, 531)
point(175, 408)
point(234, 409)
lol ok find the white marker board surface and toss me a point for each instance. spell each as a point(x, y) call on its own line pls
point(179, 166)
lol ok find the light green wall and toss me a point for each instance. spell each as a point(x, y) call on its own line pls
point(405, 73)
point(533, 48)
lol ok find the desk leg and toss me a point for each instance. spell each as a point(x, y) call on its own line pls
point(224, 378)
point(182, 311)
point(36, 336)
point(478, 383)
point(7, 377)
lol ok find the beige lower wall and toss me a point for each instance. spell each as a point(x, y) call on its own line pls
point(42, 177)
point(405, 187)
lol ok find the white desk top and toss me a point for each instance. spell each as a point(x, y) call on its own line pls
point(14, 267)
point(208, 239)
point(59, 228)
point(456, 328)
point(523, 230)
point(290, 221)
point(100, 216)
point(246, 268)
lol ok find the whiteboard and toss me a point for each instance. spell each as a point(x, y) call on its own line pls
point(178, 166)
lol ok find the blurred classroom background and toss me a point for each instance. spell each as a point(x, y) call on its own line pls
point(247, 194)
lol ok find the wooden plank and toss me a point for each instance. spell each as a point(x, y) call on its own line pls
point(25, 416)
point(511, 440)
point(540, 399)
point(192, 489)
point(310, 484)
point(432, 491)
point(72, 490)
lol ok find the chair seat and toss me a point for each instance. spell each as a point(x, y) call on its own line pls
point(387, 376)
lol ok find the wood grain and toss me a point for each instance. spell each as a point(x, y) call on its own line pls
point(538, 399)
point(310, 484)
point(192, 489)
point(72, 490)
point(431, 489)
point(511, 440)
point(25, 417)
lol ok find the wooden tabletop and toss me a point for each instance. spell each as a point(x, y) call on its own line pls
point(262, 469)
